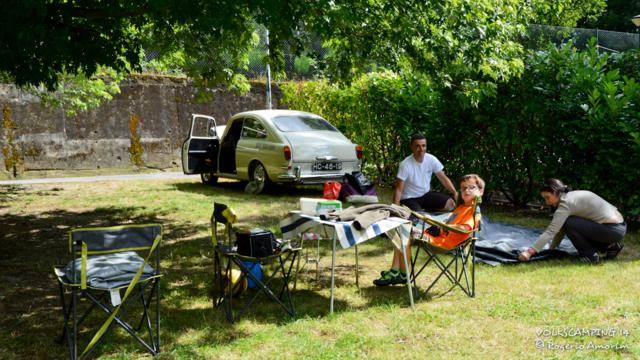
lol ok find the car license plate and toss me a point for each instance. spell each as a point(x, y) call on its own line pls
point(326, 166)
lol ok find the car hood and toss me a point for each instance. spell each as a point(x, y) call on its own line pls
point(309, 145)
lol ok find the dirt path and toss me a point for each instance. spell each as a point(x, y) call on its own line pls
point(154, 176)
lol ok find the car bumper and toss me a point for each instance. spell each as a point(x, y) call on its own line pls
point(311, 179)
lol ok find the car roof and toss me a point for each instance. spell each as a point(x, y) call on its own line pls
point(270, 114)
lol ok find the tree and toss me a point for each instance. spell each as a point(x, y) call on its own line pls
point(568, 13)
point(468, 46)
point(42, 39)
point(616, 17)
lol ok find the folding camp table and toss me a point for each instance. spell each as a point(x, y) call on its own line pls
point(397, 229)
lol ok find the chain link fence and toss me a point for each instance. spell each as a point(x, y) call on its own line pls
point(308, 64)
point(611, 41)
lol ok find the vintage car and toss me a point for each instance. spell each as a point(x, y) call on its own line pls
point(265, 146)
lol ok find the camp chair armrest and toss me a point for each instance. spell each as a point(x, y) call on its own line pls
point(441, 224)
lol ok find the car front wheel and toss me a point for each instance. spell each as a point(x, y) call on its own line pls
point(209, 178)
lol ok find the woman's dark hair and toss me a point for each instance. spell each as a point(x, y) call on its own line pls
point(554, 186)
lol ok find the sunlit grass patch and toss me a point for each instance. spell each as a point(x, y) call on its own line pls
point(513, 306)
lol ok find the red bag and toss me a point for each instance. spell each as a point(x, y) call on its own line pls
point(331, 190)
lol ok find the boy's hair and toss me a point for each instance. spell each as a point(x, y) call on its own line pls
point(417, 136)
point(474, 177)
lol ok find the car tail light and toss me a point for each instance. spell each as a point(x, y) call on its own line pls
point(287, 152)
point(359, 151)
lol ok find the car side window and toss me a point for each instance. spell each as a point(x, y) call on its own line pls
point(203, 127)
point(253, 129)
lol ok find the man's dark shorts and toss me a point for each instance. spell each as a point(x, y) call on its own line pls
point(429, 202)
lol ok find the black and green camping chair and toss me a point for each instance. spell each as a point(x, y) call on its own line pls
point(105, 262)
point(226, 257)
point(459, 269)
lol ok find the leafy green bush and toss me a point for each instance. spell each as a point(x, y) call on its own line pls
point(304, 65)
point(378, 111)
point(572, 115)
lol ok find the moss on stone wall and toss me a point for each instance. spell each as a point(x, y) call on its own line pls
point(13, 160)
point(135, 150)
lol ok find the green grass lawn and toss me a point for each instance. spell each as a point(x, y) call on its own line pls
point(515, 306)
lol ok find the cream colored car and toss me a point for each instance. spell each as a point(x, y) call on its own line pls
point(269, 146)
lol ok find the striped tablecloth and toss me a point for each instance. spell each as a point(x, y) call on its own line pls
point(296, 223)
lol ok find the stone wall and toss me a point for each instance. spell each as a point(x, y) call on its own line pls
point(49, 139)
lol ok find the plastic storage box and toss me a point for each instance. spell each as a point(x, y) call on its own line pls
point(311, 206)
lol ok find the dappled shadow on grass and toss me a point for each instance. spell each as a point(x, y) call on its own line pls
point(9, 192)
point(237, 188)
point(31, 245)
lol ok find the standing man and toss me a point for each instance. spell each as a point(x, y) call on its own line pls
point(413, 183)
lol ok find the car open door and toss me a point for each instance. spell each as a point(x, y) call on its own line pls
point(200, 149)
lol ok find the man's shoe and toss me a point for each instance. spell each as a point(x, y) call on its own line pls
point(613, 250)
point(592, 259)
point(391, 277)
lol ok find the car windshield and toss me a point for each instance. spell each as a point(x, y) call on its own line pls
point(301, 123)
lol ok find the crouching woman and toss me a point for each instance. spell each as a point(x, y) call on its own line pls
point(592, 224)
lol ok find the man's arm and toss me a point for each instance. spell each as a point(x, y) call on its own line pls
point(397, 192)
point(444, 180)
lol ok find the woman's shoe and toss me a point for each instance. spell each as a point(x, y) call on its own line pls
point(613, 250)
point(592, 259)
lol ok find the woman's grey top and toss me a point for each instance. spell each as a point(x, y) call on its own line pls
point(582, 203)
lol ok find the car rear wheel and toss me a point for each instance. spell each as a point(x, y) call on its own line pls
point(209, 178)
point(259, 177)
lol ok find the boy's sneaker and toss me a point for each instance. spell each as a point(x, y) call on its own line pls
point(613, 250)
point(391, 277)
point(592, 259)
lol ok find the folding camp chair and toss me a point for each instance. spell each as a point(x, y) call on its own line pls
point(107, 264)
point(459, 269)
point(226, 257)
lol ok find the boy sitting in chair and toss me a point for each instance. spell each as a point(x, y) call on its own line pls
point(462, 218)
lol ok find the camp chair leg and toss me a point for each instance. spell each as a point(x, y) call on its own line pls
point(66, 312)
point(145, 316)
point(120, 322)
point(218, 297)
point(145, 305)
point(286, 276)
point(264, 288)
point(473, 269)
point(157, 288)
point(67, 335)
point(263, 285)
point(414, 259)
point(414, 275)
point(295, 280)
point(225, 283)
point(460, 267)
point(444, 270)
point(74, 335)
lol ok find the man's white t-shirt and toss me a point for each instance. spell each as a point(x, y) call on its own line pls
point(417, 175)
